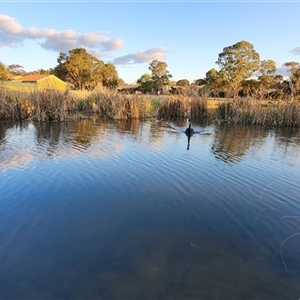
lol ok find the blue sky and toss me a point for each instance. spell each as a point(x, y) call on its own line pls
point(188, 36)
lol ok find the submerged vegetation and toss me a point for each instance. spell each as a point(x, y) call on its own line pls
point(58, 106)
point(284, 218)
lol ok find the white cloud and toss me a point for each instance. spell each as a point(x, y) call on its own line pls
point(13, 35)
point(92, 38)
point(115, 44)
point(9, 25)
point(142, 56)
point(7, 40)
point(59, 44)
point(63, 41)
point(296, 51)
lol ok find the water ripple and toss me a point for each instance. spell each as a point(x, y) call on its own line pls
point(127, 200)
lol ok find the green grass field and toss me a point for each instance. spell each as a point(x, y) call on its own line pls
point(19, 86)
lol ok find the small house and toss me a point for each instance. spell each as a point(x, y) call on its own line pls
point(45, 81)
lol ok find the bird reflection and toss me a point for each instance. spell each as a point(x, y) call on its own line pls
point(188, 145)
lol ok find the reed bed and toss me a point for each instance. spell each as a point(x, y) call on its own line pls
point(123, 107)
point(183, 106)
point(252, 111)
point(14, 105)
point(58, 106)
point(54, 105)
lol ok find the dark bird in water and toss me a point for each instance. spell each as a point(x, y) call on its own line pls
point(189, 131)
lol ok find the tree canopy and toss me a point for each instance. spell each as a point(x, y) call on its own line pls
point(3, 72)
point(85, 71)
point(146, 83)
point(267, 71)
point(238, 63)
point(294, 77)
point(159, 74)
point(110, 77)
point(240, 73)
point(16, 69)
point(183, 83)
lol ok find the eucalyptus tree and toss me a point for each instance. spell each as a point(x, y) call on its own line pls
point(146, 83)
point(121, 82)
point(182, 86)
point(16, 69)
point(159, 74)
point(200, 81)
point(294, 77)
point(60, 70)
point(3, 72)
point(183, 83)
point(238, 63)
point(267, 71)
point(85, 71)
point(250, 87)
point(110, 78)
point(214, 82)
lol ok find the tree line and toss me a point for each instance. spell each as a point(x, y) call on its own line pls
point(241, 73)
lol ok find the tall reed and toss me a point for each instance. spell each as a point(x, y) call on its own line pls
point(117, 106)
point(15, 105)
point(253, 111)
point(49, 105)
point(182, 106)
point(54, 105)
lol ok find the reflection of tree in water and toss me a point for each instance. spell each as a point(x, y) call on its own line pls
point(83, 132)
point(4, 126)
point(146, 132)
point(287, 140)
point(231, 142)
point(54, 138)
point(131, 126)
point(48, 133)
point(48, 137)
point(286, 134)
point(14, 145)
point(156, 131)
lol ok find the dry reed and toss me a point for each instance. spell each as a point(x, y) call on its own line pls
point(53, 105)
point(182, 106)
point(123, 107)
point(256, 112)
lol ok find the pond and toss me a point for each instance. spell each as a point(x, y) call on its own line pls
point(102, 209)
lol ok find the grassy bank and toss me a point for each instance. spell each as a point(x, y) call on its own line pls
point(56, 106)
point(53, 105)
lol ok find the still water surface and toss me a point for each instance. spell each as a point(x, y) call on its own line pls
point(122, 210)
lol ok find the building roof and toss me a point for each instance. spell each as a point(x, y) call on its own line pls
point(33, 78)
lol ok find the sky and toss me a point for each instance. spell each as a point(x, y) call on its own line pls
point(187, 35)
